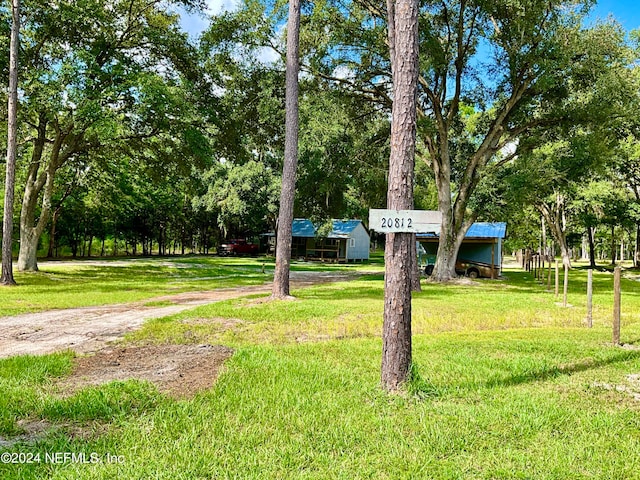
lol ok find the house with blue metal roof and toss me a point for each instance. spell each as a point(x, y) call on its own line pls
point(347, 241)
point(482, 246)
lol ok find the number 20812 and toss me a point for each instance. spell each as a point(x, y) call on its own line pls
point(396, 222)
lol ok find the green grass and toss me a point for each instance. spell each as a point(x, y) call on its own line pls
point(85, 284)
point(337, 312)
point(506, 383)
point(519, 404)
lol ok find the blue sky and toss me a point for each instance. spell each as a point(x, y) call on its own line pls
point(627, 12)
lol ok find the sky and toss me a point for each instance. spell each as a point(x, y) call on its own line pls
point(627, 12)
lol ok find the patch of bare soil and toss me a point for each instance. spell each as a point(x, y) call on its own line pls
point(32, 430)
point(630, 388)
point(178, 370)
point(90, 329)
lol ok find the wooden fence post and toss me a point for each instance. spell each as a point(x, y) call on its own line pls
point(590, 298)
point(616, 305)
point(566, 285)
point(549, 276)
point(557, 279)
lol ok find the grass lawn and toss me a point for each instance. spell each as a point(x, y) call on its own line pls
point(506, 384)
point(84, 283)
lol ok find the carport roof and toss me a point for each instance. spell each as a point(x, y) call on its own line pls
point(479, 230)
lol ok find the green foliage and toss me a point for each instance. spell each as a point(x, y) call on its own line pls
point(243, 197)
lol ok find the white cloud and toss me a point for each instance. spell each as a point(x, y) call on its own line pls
point(267, 55)
point(195, 24)
point(216, 7)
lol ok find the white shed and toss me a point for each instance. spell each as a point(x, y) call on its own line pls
point(347, 241)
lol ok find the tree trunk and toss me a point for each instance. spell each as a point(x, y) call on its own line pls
point(415, 268)
point(592, 248)
point(448, 247)
point(40, 183)
point(399, 265)
point(285, 215)
point(27, 258)
point(555, 218)
point(12, 135)
point(636, 257)
point(453, 227)
point(52, 232)
point(613, 245)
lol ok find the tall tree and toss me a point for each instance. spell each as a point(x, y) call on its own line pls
point(12, 136)
point(285, 215)
point(506, 61)
point(98, 79)
point(396, 333)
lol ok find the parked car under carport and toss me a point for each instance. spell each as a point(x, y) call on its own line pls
point(467, 268)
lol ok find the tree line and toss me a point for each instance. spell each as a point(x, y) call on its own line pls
point(135, 138)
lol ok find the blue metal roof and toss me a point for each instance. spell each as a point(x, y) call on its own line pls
point(479, 230)
point(487, 230)
point(301, 227)
point(343, 228)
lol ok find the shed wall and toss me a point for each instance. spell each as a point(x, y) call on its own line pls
point(360, 251)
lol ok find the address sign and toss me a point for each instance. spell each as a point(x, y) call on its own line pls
point(404, 221)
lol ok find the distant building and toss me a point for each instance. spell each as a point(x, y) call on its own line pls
point(347, 241)
point(482, 247)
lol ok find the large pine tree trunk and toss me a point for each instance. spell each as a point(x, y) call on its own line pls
point(12, 135)
point(285, 216)
point(396, 335)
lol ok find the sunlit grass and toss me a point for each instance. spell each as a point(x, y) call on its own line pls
point(354, 310)
point(506, 383)
point(506, 404)
point(82, 283)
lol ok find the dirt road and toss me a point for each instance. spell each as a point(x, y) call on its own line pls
point(90, 329)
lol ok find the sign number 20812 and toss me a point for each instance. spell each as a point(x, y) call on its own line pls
point(396, 222)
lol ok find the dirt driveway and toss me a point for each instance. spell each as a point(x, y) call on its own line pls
point(90, 329)
point(177, 370)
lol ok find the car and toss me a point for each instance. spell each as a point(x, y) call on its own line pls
point(468, 268)
point(238, 247)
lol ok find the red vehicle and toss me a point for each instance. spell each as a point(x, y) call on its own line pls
point(238, 247)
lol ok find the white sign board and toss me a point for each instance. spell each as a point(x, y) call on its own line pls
point(405, 221)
